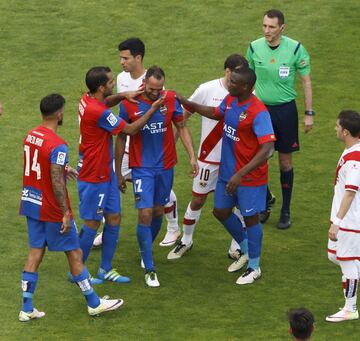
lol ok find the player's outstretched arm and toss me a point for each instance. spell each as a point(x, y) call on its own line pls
point(119, 154)
point(134, 128)
point(260, 157)
point(203, 110)
point(344, 207)
point(186, 140)
point(113, 100)
point(59, 189)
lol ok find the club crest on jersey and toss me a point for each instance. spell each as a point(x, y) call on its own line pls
point(61, 158)
point(203, 184)
point(163, 109)
point(242, 116)
point(112, 119)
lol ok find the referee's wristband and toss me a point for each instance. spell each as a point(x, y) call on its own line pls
point(337, 221)
point(309, 113)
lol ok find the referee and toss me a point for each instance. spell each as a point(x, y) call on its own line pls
point(276, 59)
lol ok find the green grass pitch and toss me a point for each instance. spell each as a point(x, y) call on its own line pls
point(47, 46)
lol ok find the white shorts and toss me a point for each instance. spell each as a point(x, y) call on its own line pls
point(205, 181)
point(347, 246)
point(125, 170)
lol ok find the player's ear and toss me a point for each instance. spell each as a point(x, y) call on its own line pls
point(290, 331)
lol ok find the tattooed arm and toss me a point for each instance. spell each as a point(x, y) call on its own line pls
point(59, 189)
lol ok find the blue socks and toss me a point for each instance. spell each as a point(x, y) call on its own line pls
point(110, 239)
point(236, 230)
point(144, 237)
point(156, 226)
point(29, 280)
point(86, 237)
point(254, 241)
point(84, 283)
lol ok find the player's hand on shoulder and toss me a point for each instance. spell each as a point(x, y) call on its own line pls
point(131, 95)
point(180, 97)
point(194, 168)
point(66, 223)
point(308, 123)
point(71, 173)
point(122, 184)
point(333, 231)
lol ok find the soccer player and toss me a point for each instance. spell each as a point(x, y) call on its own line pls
point(301, 324)
point(132, 53)
point(344, 231)
point(46, 206)
point(152, 157)
point(97, 182)
point(211, 94)
point(247, 143)
point(276, 59)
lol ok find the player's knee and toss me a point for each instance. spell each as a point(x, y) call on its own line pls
point(220, 214)
point(252, 220)
point(145, 216)
point(113, 219)
point(158, 211)
point(197, 203)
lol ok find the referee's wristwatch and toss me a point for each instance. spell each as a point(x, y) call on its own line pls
point(309, 112)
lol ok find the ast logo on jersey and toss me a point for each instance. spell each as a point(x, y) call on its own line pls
point(154, 145)
point(247, 125)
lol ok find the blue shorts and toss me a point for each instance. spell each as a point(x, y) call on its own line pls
point(284, 119)
point(44, 233)
point(250, 199)
point(152, 186)
point(96, 199)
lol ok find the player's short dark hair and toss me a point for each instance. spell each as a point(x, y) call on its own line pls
point(275, 13)
point(50, 104)
point(247, 75)
point(301, 322)
point(134, 45)
point(96, 77)
point(156, 72)
point(350, 120)
point(234, 61)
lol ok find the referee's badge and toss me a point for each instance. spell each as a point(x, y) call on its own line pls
point(242, 116)
point(284, 71)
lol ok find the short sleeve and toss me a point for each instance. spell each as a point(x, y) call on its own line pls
point(178, 112)
point(123, 112)
point(352, 181)
point(263, 128)
point(249, 57)
point(302, 63)
point(220, 110)
point(59, 155)
point(110, 122)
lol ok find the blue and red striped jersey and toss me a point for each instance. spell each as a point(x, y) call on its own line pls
point(97, 125)
point(154, 145)
point(42, 147)
point(247, 125)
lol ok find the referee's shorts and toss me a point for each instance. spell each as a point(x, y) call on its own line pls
point(284, 118)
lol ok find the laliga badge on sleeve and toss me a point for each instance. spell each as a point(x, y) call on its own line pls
point(284, 71)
